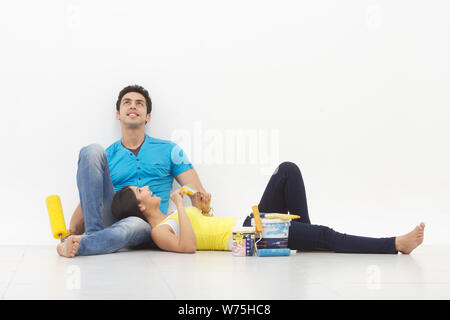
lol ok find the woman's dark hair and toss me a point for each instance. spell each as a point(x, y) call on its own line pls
point(125, 204)
point(138, 89)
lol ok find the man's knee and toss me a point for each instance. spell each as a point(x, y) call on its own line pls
point(93, 151)
point(136, 224)
point(136, 230)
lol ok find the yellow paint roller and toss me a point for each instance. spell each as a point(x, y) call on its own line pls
point(56, 216)
point(282, 216)
point(189, 189)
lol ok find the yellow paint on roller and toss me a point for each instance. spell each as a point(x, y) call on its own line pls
point(281, 216)
point(189, 189)
point(56, 216)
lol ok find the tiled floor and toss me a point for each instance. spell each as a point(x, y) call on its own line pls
point(39, 273)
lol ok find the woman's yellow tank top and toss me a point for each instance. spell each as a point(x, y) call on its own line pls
point(211, 233)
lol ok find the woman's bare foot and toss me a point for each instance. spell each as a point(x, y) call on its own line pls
point(408, 242)
point(69, 247)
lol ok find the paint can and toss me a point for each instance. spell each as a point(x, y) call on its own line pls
point(243, 241)
point(275, 233)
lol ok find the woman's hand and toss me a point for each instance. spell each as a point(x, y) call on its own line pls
point(177, 197)
point(186, 241)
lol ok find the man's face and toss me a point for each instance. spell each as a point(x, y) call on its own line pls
point(133, 110)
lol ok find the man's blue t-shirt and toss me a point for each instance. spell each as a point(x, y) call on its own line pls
point(155, 166)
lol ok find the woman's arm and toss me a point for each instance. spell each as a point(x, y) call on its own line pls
point(165, 239)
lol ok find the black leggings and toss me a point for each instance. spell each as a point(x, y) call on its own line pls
point(285, 192)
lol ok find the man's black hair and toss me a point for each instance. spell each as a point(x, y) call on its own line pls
point(138, 89)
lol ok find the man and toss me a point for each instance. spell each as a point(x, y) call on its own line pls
point(137, 159)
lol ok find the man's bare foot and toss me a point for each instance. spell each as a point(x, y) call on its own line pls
point(408, 242)
point(69, 247)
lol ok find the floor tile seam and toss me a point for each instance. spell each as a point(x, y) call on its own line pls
point(14, 273)
point(161, 273)
point(395, 283)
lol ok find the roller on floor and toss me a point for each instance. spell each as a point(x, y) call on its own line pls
point(273, 252)
point(56, 217)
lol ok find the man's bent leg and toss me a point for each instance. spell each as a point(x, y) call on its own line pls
point(95, 188)
point(128, 232)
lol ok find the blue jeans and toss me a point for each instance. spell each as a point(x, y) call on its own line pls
point(103, 233)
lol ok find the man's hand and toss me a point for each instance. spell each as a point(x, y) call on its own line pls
point(204, 201)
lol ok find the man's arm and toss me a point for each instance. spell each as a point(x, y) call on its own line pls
point(191, 177)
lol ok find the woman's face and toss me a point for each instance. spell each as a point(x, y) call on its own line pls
point(146, 198)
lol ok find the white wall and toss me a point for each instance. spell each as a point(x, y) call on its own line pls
point(355, 92)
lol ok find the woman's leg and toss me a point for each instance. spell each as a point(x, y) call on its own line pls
point(304, 236)
point(285, 192)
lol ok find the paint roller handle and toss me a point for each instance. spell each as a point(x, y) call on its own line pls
point(258, 224)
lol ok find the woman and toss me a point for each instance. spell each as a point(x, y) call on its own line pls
point(188, 230)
